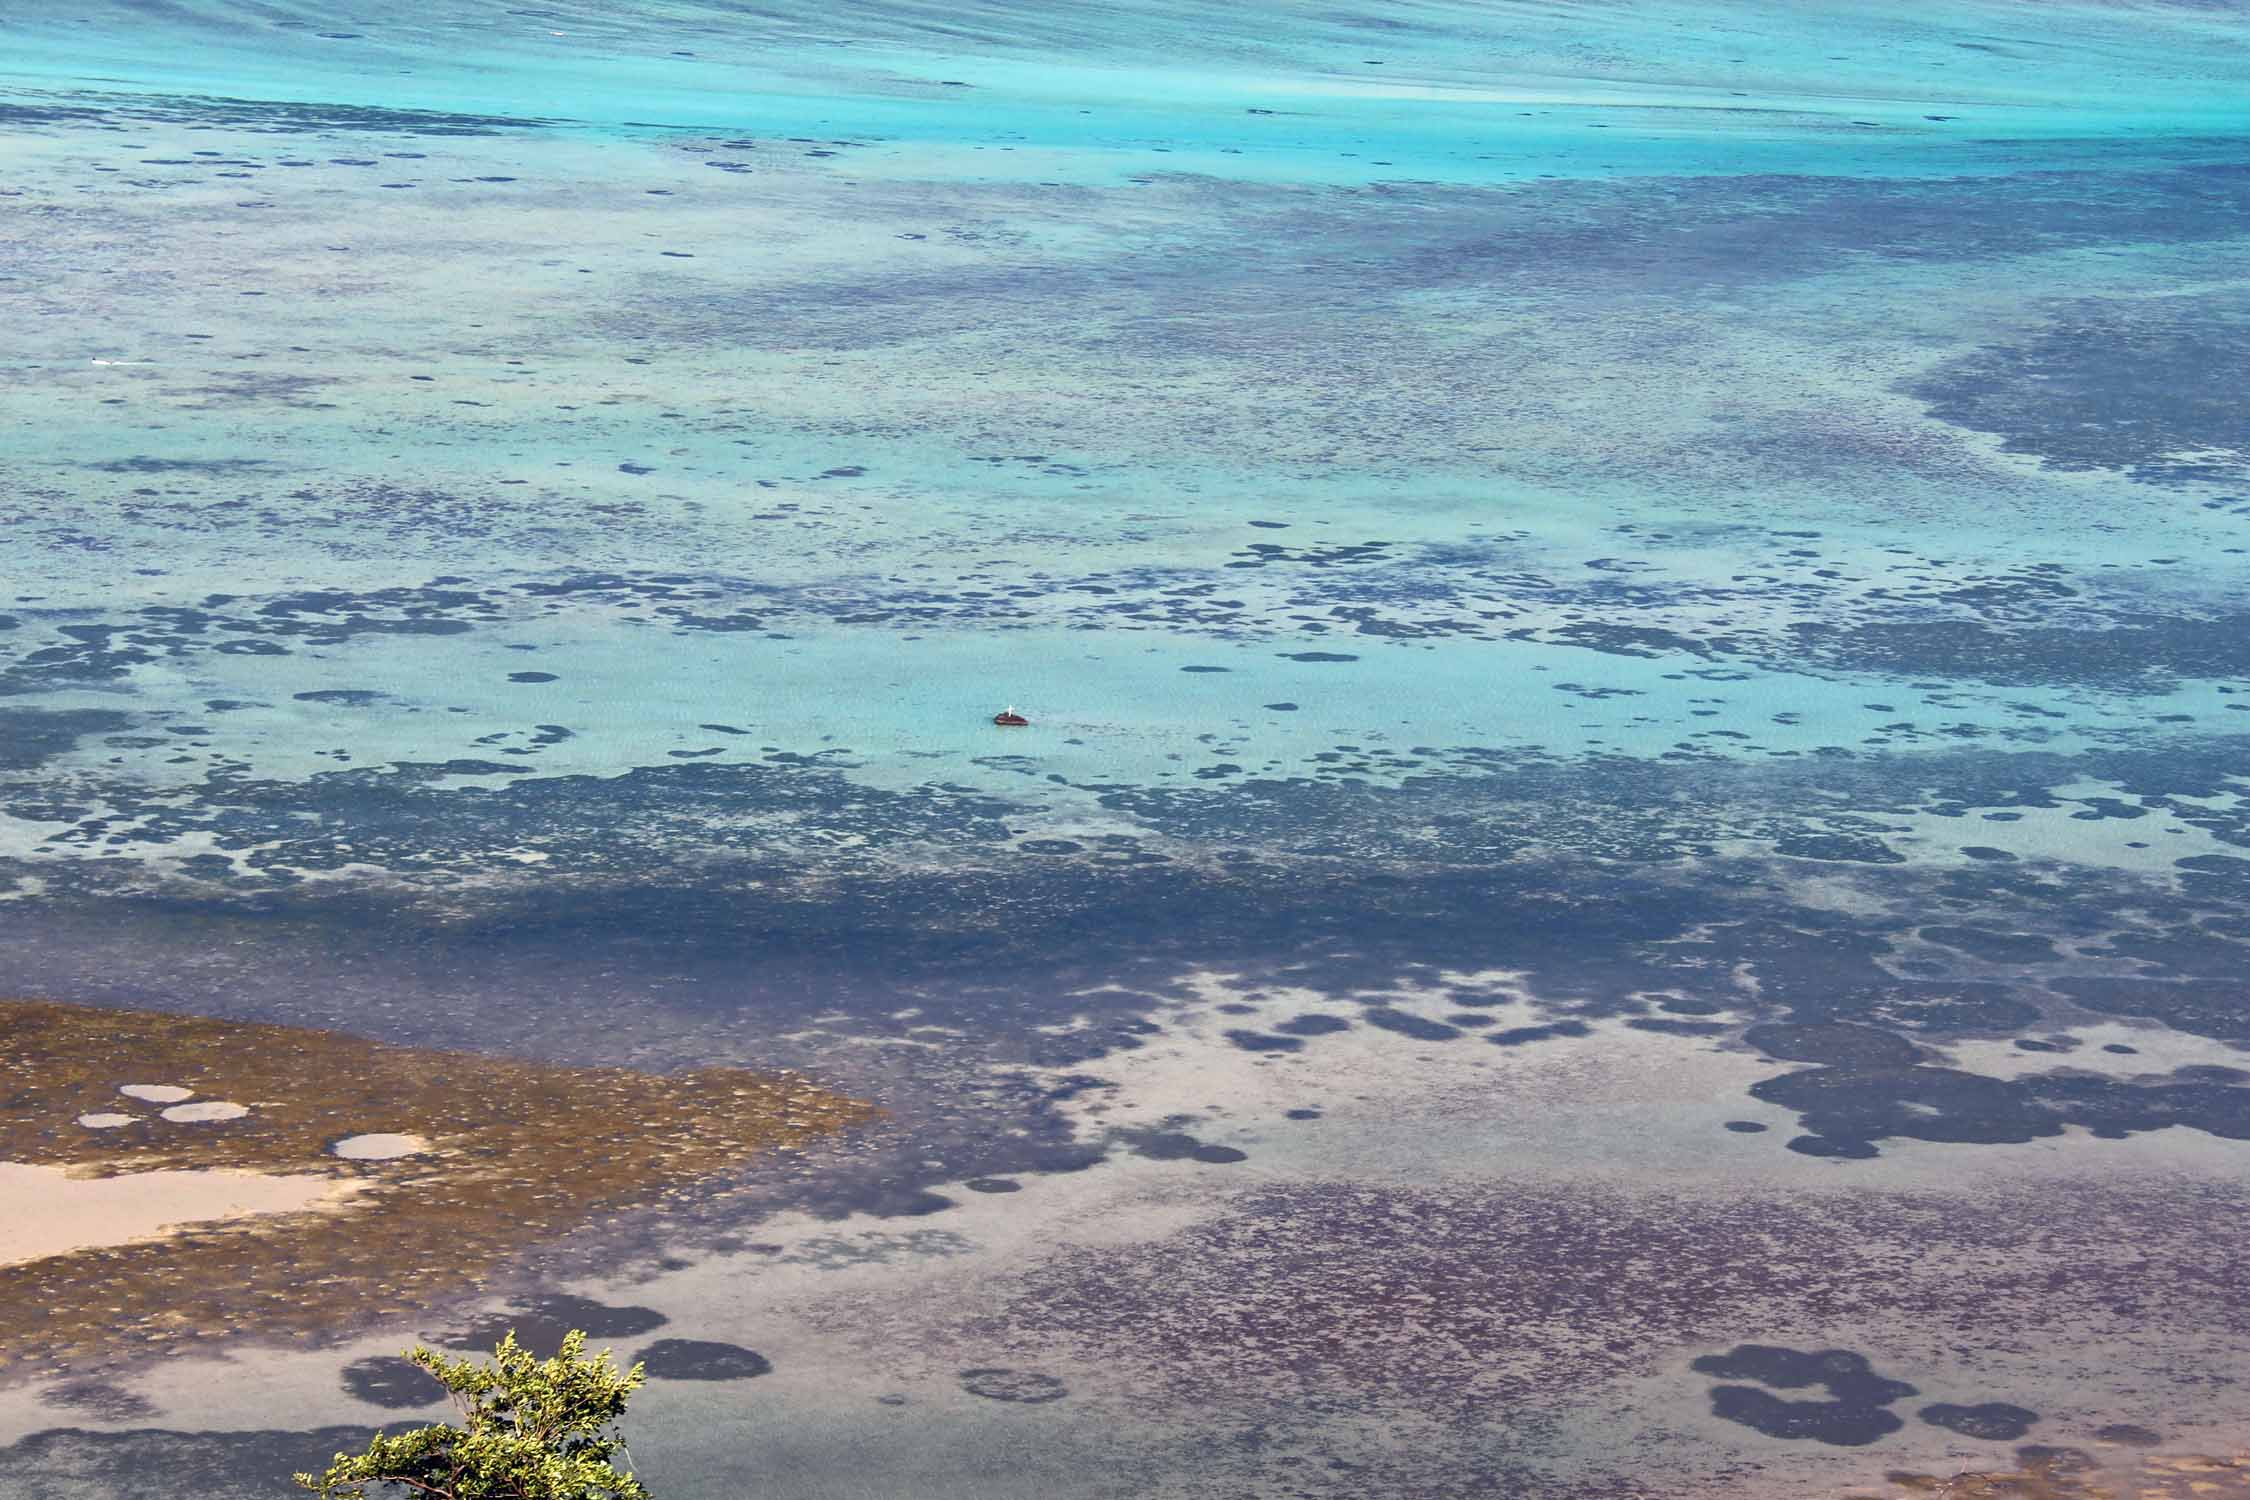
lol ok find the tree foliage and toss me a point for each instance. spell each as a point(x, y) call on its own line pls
point(531, 1429)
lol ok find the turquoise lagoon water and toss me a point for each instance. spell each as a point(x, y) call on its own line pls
point(1634, 621)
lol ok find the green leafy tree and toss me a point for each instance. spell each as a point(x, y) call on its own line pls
point(531, 1429)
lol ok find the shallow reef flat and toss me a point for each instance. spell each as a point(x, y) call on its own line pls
point(2049, 1475)
point(1630, 871)
point(474, 1154)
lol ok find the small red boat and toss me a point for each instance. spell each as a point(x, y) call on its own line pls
point(1008, 718)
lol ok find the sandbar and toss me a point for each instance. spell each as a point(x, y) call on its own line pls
point(45, 1211)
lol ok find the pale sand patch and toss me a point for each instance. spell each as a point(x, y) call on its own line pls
point(380, 1146)
point(208, 1109)
point(2157, 1051)
point(106, 1121)
point(45, 1211)
point(156, 1093)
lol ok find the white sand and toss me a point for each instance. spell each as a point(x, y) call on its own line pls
point(208, 1109)
point(106, 1121)
point(156, 1093)
point(45, 1212)
point(379, 1147)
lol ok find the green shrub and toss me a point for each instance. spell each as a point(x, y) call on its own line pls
point(531, 1429)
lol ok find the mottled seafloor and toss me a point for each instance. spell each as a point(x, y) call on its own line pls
point(1637, 635)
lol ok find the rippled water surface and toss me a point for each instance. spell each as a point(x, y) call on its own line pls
point(1630, 875)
